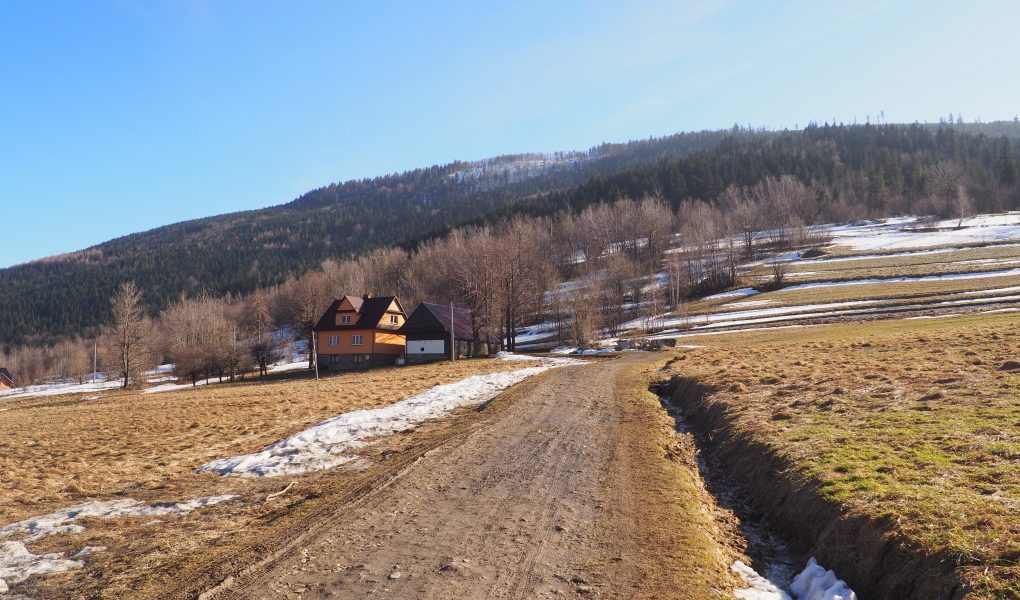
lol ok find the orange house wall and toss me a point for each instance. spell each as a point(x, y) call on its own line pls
point(374, 342)
point(389, 343)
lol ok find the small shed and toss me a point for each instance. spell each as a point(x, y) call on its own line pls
point(6, 379)
point(427, 331)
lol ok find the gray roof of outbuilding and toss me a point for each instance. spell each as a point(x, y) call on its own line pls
point(441, 312)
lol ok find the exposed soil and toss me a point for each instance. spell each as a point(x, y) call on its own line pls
point(569, 484)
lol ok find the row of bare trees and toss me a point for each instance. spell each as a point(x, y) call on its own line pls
point(509, 275)
point(586, 272)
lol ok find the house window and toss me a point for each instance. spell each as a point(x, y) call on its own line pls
point(356, 340)
point(357, 359)
point(345, 319)
point(334, 341)
point(393, 320)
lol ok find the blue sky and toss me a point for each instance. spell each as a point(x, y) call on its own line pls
point(124, 115)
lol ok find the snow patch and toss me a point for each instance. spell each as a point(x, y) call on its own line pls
point(817, 583)
point(902, 233)
point(921, 278)
point(758, 587)
point(732, 294)
point(34, 391)
point(330, 443)
point(87, 550)
point(749, 303)
point(17, 563)
point(61, 521)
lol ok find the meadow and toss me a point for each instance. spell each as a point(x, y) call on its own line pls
point(912, 425)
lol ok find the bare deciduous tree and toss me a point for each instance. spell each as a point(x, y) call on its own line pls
point(308, 300)
point(129, 336)
point(264, 349)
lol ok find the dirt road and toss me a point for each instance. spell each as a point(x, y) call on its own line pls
point(519, 508)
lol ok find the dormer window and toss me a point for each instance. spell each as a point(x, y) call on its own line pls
point(345, 319)
point(394, 320)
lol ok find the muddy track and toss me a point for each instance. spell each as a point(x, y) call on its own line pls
point(501, 502)
point(503, 510)
point(221, 575)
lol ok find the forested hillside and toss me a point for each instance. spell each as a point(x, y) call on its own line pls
point(877, 170)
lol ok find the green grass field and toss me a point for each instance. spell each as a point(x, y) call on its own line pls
point(913, 424)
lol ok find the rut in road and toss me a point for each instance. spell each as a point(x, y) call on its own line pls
point(508, 513)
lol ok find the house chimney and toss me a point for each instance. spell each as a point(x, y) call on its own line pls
point(366, 296)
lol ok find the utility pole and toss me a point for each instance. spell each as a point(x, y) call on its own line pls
point(315, 353)
point(453, 336)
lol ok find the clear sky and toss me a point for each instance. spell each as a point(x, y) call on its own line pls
point(120, 116)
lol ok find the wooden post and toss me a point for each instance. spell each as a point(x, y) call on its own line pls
point(453, 337)
point(95, 361)
point(315, 353)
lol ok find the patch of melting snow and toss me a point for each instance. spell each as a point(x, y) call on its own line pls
point(993, 291)
point(983, 229)
point(749, 303)
point(758, 587)
point(817, 583)
point(852, 257)
point(331, 443)
point(61, 521)
point(921, 278)
point(813, 583)
point(18, 563)
point(732, 294)
point(87, 550)
point(34, 391)
point(683, 334)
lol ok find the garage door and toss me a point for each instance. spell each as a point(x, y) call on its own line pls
point(425, 347)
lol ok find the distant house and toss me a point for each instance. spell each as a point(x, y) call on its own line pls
point(360, 333)
point(6, 379)
point(428, 334)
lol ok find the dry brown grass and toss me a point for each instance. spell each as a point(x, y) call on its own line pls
point(915, 424)
point(671, 535)
point(62, 450)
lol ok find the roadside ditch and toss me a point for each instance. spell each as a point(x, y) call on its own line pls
point(786, 523)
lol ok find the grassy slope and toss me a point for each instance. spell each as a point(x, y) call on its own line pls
point(685, 542)
point(911, 424)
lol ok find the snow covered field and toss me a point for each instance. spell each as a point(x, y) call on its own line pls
point(911, 232)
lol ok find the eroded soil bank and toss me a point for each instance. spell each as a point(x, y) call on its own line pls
point(760, 485)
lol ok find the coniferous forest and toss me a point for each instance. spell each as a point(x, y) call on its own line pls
point(854, 172)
